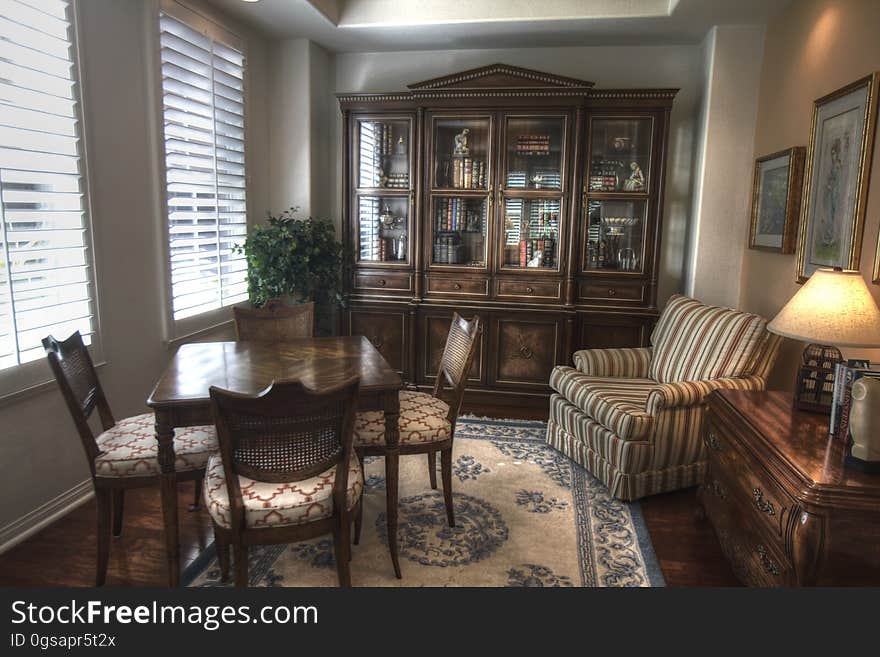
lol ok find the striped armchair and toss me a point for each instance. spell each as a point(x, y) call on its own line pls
point(632, 416)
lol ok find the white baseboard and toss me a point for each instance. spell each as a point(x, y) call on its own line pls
point(30, 523)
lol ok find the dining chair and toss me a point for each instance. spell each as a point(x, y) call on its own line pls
point(286, 471)
point(427, 421)
point(274, 322)
point(125, 453)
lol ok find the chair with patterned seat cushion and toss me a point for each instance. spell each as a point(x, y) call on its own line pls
point(125, 454)
point(286, 471)
point(427, 421)
point(632, 417)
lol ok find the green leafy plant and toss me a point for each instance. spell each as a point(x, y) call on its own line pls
point(296, 257)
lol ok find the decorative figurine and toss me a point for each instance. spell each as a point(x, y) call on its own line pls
point(536, 180)
point(386, 218)
point(537, 259)
point(383, 177)
point(636, 180)
point(401, 146)
point(461, 142)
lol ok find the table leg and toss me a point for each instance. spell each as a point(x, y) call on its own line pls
point(392, 460)
point(168, 487)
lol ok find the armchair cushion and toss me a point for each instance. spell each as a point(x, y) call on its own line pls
point(696, 342)
point(628, 363)
point(616, 403)
point(692, 393)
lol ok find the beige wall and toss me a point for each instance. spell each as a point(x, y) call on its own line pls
point(812, 48)
point(40, 452)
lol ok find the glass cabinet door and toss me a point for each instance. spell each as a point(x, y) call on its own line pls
point(383, 228)
point(459, 226)
point(383, 154)
point(534, 153)
point(531, 234)
point(620, 155)
point(461, 153)
point(615, 236)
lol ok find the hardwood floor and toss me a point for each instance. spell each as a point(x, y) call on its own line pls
point(63, 554)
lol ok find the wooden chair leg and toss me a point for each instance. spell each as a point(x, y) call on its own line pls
point(341, 541)
point(432, 469)
point(358, 521)
point(446, 473)
point(118, 506)
point(104, 501)
point(240, 552)
point(222, 548)
point(197, 494)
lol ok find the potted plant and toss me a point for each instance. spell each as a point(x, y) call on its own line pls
point(296, 260)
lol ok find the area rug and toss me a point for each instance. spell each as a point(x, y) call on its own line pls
point(525, 516)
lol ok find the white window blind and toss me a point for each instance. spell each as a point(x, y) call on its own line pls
point(203, 111)
point(45, 261)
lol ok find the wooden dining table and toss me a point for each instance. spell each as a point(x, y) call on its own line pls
point(181, 399)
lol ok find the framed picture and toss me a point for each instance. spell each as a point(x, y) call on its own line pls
point(838, 167)
point(776, 200)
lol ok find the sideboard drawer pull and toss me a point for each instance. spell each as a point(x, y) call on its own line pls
point(713, 442)
point(382, 282)
point(763, 505)
point(611, 291)
point(766, 561)
point(718, 489)
point(457, 286)
point(529, 290)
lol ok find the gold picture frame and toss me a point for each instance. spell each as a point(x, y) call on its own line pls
point(777, 186)
point(836, 177)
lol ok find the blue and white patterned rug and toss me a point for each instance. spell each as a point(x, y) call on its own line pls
point(525, 516)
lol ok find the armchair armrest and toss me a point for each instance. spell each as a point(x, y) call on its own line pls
point(692, 393)
point(630, 363)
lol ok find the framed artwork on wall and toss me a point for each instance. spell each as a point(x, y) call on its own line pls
point(776, 200)
point(838, 166)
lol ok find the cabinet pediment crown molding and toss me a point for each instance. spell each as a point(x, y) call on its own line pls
point(500, 77)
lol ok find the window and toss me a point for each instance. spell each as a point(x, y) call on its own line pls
point(203, 71)
point(46, 274)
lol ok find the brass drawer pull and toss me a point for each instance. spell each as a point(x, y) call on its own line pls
point(713, 442)
point(457, 286)
point(763, 505)
point(766, 561)
point(611, 292)
point(382, 282)
point(529, 290)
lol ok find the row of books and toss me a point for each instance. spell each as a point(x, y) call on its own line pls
point(397, 181)
point(465, 173)
point(455, 214)
point(533, 144)
point(529, 250)
point(845, 374)
point(603, 183)
point(384, 139)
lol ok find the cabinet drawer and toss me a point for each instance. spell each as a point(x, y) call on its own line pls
point(472, 287)
point(612, 292)
point(529, 289)
point(390, 282)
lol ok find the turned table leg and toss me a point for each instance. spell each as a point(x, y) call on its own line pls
point(391, 405)
point(168, 487)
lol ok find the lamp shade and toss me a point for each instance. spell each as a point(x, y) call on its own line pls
point(832, 308)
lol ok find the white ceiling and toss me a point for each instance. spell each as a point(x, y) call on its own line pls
point(384, 25)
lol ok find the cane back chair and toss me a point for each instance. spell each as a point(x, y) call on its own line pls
point(427, 421)
point(274, 322)
point(286, 471)
point(125, 454)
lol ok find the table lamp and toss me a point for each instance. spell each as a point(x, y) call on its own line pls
point(834, 308)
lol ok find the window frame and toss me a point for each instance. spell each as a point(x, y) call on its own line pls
point(182, 330)
point(22, 380)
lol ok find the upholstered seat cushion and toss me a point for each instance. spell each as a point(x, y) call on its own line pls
point(269, 504)
point(617, 404)
point(695, 342)
point(422, 420)
point(129, 448)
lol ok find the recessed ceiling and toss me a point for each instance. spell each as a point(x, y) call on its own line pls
point(383, 25)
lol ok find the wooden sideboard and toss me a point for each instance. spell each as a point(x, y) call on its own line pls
point(531, 199)
point(786, 508)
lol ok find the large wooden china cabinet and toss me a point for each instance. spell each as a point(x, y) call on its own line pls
point(530, 199)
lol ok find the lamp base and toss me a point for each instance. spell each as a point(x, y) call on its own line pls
point(814, 386)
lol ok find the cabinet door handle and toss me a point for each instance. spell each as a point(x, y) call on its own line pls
point(764, 506)
point(529, 290)
point(377, 342)
point(766, 561)
point(713, 442)
point(382, 282)
point(611, 292)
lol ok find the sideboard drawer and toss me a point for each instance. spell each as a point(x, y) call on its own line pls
point(471, 287)
point(388, 282)
point(612, 292)
point(543, 290)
